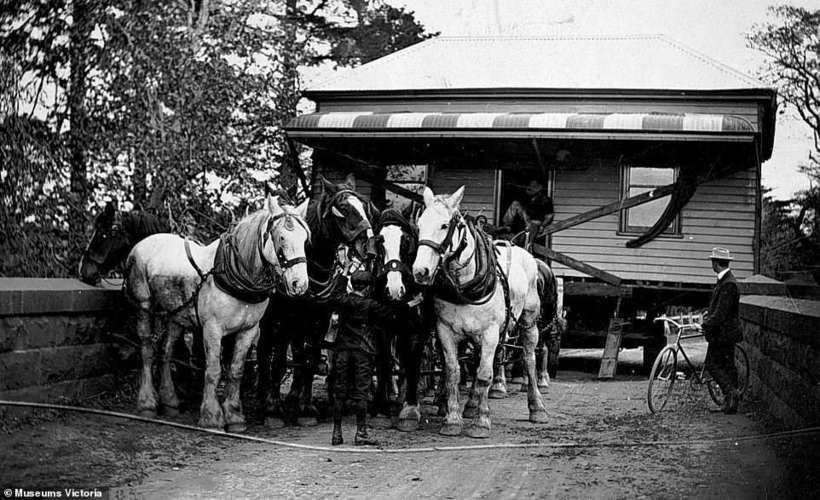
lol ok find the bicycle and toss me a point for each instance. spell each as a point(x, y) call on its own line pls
point(665, 372)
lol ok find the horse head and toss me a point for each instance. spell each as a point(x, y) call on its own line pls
point(284, 242)
point(346, 214)
point(441, 231)
point(107, 247)
point(397, 240)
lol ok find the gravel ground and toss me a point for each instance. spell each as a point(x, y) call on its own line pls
point(147, 461)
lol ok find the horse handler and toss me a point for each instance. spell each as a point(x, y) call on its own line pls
point(355, 347)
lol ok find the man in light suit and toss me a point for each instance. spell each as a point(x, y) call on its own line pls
point(721, 328)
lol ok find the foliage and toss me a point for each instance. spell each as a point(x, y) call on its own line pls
point(176, 107)
point(791, 43)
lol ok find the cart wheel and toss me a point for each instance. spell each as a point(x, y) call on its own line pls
point(742, 365)
point(662, 379)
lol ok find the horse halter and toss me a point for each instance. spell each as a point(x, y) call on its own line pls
point(284, 263)
point(396, 264)
point(456, 222)
point(115, 229)
point(324, 209)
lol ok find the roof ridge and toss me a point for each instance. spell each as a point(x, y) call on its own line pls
point(376, 62)
point(709, 60)
point(567, 36)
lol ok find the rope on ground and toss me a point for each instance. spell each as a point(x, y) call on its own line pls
point(426, 449)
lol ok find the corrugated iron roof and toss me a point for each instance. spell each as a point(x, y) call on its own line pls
point(639, 62)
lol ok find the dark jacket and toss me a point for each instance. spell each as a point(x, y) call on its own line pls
point(722, 324)
point(539, 206)
point(357, 316)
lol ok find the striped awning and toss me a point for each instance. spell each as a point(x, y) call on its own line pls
point(511, 125)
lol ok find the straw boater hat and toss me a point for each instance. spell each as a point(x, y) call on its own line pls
point(719, 253)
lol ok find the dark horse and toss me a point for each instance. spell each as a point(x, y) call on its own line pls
point(397, 242)
point(336, 216)
point(115, 234)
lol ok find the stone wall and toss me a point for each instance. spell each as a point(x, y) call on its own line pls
point(56, 340)
point(782, 337)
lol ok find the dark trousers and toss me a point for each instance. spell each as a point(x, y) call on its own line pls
point(352, 374)
point(720, 362)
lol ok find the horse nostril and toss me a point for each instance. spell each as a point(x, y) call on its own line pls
point(294, 284)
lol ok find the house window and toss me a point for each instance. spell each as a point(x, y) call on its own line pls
point(412, 177)
point(637, 180)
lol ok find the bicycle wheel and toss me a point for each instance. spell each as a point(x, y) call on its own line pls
point(742, 365)
point(662, 379)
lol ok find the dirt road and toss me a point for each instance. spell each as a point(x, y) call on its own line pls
point(156, 462)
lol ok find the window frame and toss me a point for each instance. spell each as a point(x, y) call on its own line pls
point(675, 229)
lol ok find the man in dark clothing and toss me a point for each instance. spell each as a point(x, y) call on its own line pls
point(355, 351)
point(721, 328)
point(532, 214)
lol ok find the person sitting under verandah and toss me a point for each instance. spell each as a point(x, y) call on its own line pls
point(531, 213)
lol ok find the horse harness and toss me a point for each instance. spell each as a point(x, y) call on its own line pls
point(392, 217)
point(231, 274)
point(480, 289)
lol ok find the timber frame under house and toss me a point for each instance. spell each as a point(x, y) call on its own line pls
point(650, 150)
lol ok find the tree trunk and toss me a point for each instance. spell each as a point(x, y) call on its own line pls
point(288, 97)
point(78, 61)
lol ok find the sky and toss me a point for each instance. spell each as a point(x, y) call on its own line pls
point(714, 27)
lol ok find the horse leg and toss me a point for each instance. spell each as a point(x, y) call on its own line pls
point(410, 349)
point(274, 408)
point(264, 350)
point(308, 413)
point(167, 392)
point(471, 407)
point(147, 396)
point(499, 387)
point(543, 363)
point(538, 414)
point(453, 423)
point(232, 405)
point(384, 373)
point(481, 425)
point(210, 413)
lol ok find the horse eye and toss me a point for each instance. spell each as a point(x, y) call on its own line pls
point(444, 226)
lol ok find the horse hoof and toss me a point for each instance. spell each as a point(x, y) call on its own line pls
point(148, 413)
point(274, 423)
point(408, 425)
point(543, 383)
point(497, 394)
point(470, 412)
point(237, 428)
point(381, 422)
point(539, 417)
point(450, 430)
point(475, 431)
point(211, 424)
point(307, 421)
point(170, 411)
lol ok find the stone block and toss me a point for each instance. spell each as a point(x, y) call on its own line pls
point(20, 296)
point(20, 369)
point(76, 362)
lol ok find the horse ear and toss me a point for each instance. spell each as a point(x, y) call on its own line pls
point(429, 197)
point(302, 208)
point(327, 185)
point(455, 199)
point(273, 205)
point(350, 181)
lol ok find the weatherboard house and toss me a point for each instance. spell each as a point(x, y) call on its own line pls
point(650, 150)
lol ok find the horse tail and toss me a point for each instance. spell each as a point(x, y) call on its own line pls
point(548, 291)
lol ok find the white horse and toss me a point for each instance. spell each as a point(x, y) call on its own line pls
point(175, 285)
point(450, 246)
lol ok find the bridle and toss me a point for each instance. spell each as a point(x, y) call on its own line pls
point(457, 222)
point(287, 219)
point(116, 228)
point(396, 264)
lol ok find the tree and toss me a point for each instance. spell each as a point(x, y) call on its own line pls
point(791, 43)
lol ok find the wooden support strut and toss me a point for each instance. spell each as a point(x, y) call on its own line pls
point(609, 360)
point(615, 206)
point(568, 261)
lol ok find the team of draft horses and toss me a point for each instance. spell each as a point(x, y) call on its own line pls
point(276, 270)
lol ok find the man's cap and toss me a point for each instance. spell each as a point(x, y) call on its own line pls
point(361, 279)
point(719, 253)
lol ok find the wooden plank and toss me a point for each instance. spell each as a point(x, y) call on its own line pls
point(596, 289)
point(609, 360)
point(612, 207)
point(576, 264)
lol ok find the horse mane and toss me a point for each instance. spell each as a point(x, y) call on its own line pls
point(139, 224)
point(246, 235)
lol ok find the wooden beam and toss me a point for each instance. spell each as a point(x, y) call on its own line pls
point(568, 261)
point(615, 206)
point(596, 289)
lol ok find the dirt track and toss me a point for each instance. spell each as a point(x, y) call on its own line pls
point(149, 461)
